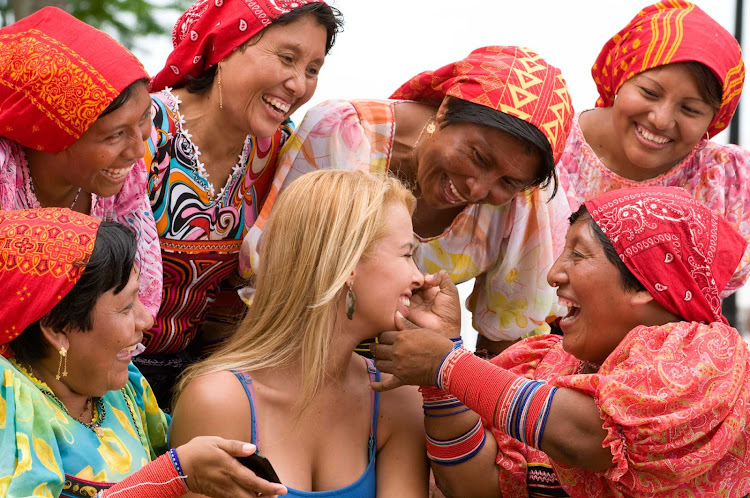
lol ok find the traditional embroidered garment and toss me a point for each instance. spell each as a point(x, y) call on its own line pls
point(210, 29)
point(509, 249)
point(200, 230)
point(46, 452)
point(716, 175)
point(680, 251)
point(40, 256)
point(666, 33)
point(674, 398)
point(513, 80)
point(48, 106)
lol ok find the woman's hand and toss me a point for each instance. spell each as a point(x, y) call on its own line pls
point(437, 306)
point(413, 355)
point(211, 469)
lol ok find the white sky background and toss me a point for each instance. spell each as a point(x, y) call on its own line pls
point(386, 42)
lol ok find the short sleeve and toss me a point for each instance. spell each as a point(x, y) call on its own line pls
point(154, 422)
point(29, 457)
point(512, 299)
point(331, 136)
point(674, 401)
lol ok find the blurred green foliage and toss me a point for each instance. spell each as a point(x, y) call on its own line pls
point(126, 20)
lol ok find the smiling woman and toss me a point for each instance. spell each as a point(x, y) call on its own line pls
point(73, 131)
point(237, 72)
point(480, 160)
point(667, 82)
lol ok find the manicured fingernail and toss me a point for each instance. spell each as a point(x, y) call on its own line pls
point(248, 447)
point(399, 315)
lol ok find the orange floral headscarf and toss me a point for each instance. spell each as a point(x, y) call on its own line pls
point(57, 75)
point(513, 80)
point(210, 29)
point(666, 33)
point(43, 253)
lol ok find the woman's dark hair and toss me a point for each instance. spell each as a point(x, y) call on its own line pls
point(535, 143)
point(124, 96)
point(108, 268)
point(709, 85)
point(328, 17)
point(628, 280)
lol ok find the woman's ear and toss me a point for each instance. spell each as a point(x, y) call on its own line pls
point(640, 298)
point(56, 339)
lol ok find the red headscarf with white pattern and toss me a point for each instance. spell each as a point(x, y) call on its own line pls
point(681, 251)
point(211, 29)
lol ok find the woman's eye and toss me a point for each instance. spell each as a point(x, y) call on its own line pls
point(648, 93)
point(287, 59)
point(479, 158)
point(115, 136)
point(313, 71)
point(691, 110)
point(409, 255)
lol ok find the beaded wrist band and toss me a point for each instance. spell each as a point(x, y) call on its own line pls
point(516, 406)
point(176, 461)
point(435, 398)
point(158, 479)
point(459, 449)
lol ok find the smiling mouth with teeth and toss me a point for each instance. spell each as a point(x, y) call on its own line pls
point(405, 301)
point(278, 105)
point(451, 192)
point(650, 136)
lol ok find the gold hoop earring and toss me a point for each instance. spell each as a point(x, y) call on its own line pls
point(218, 76)
point(63, 363)
point(351, 302)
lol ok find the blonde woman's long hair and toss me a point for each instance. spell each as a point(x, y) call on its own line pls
point(320, 228)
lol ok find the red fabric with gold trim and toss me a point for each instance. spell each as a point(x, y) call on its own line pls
point(42, 255)
point(58, 75)
point(513, 80)
point(665, 33)
point(210, 29)
point(681, 251)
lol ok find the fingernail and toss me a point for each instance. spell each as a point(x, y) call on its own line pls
point(399, 315)
point(248, 447)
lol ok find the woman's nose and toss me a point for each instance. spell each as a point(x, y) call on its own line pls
point(478, 189)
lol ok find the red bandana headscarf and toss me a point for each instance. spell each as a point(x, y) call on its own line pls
point(681, 251)
point(211, 29)
point(57, 75)
point(42, 255)
point(513, 80)
point(665, 33)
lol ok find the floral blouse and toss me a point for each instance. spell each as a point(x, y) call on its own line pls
point(508, 249)
point(717, 175)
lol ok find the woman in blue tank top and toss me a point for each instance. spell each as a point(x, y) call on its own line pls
point(335, 272)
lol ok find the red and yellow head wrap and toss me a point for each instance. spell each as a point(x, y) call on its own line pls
point(211, 29)
point(57, 75)
point(513, 80)
point(43, 253)
point(665, 33)
point(682, 252)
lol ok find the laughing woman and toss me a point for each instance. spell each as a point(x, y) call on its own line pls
point(645, 394)
point(480, 161)
point(237, 72)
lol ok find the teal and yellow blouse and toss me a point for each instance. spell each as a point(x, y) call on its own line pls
point(44, 452)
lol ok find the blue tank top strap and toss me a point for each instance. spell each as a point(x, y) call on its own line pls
point(247, 383)
point(374, 374)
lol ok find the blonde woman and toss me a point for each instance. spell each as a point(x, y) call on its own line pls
point(335, 272)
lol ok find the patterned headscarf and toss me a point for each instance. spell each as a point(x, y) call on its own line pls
point(666, 33)
point(43, 253)
point(513, 80)
point(681, 251)
point(57, 75)
point(211, 29)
